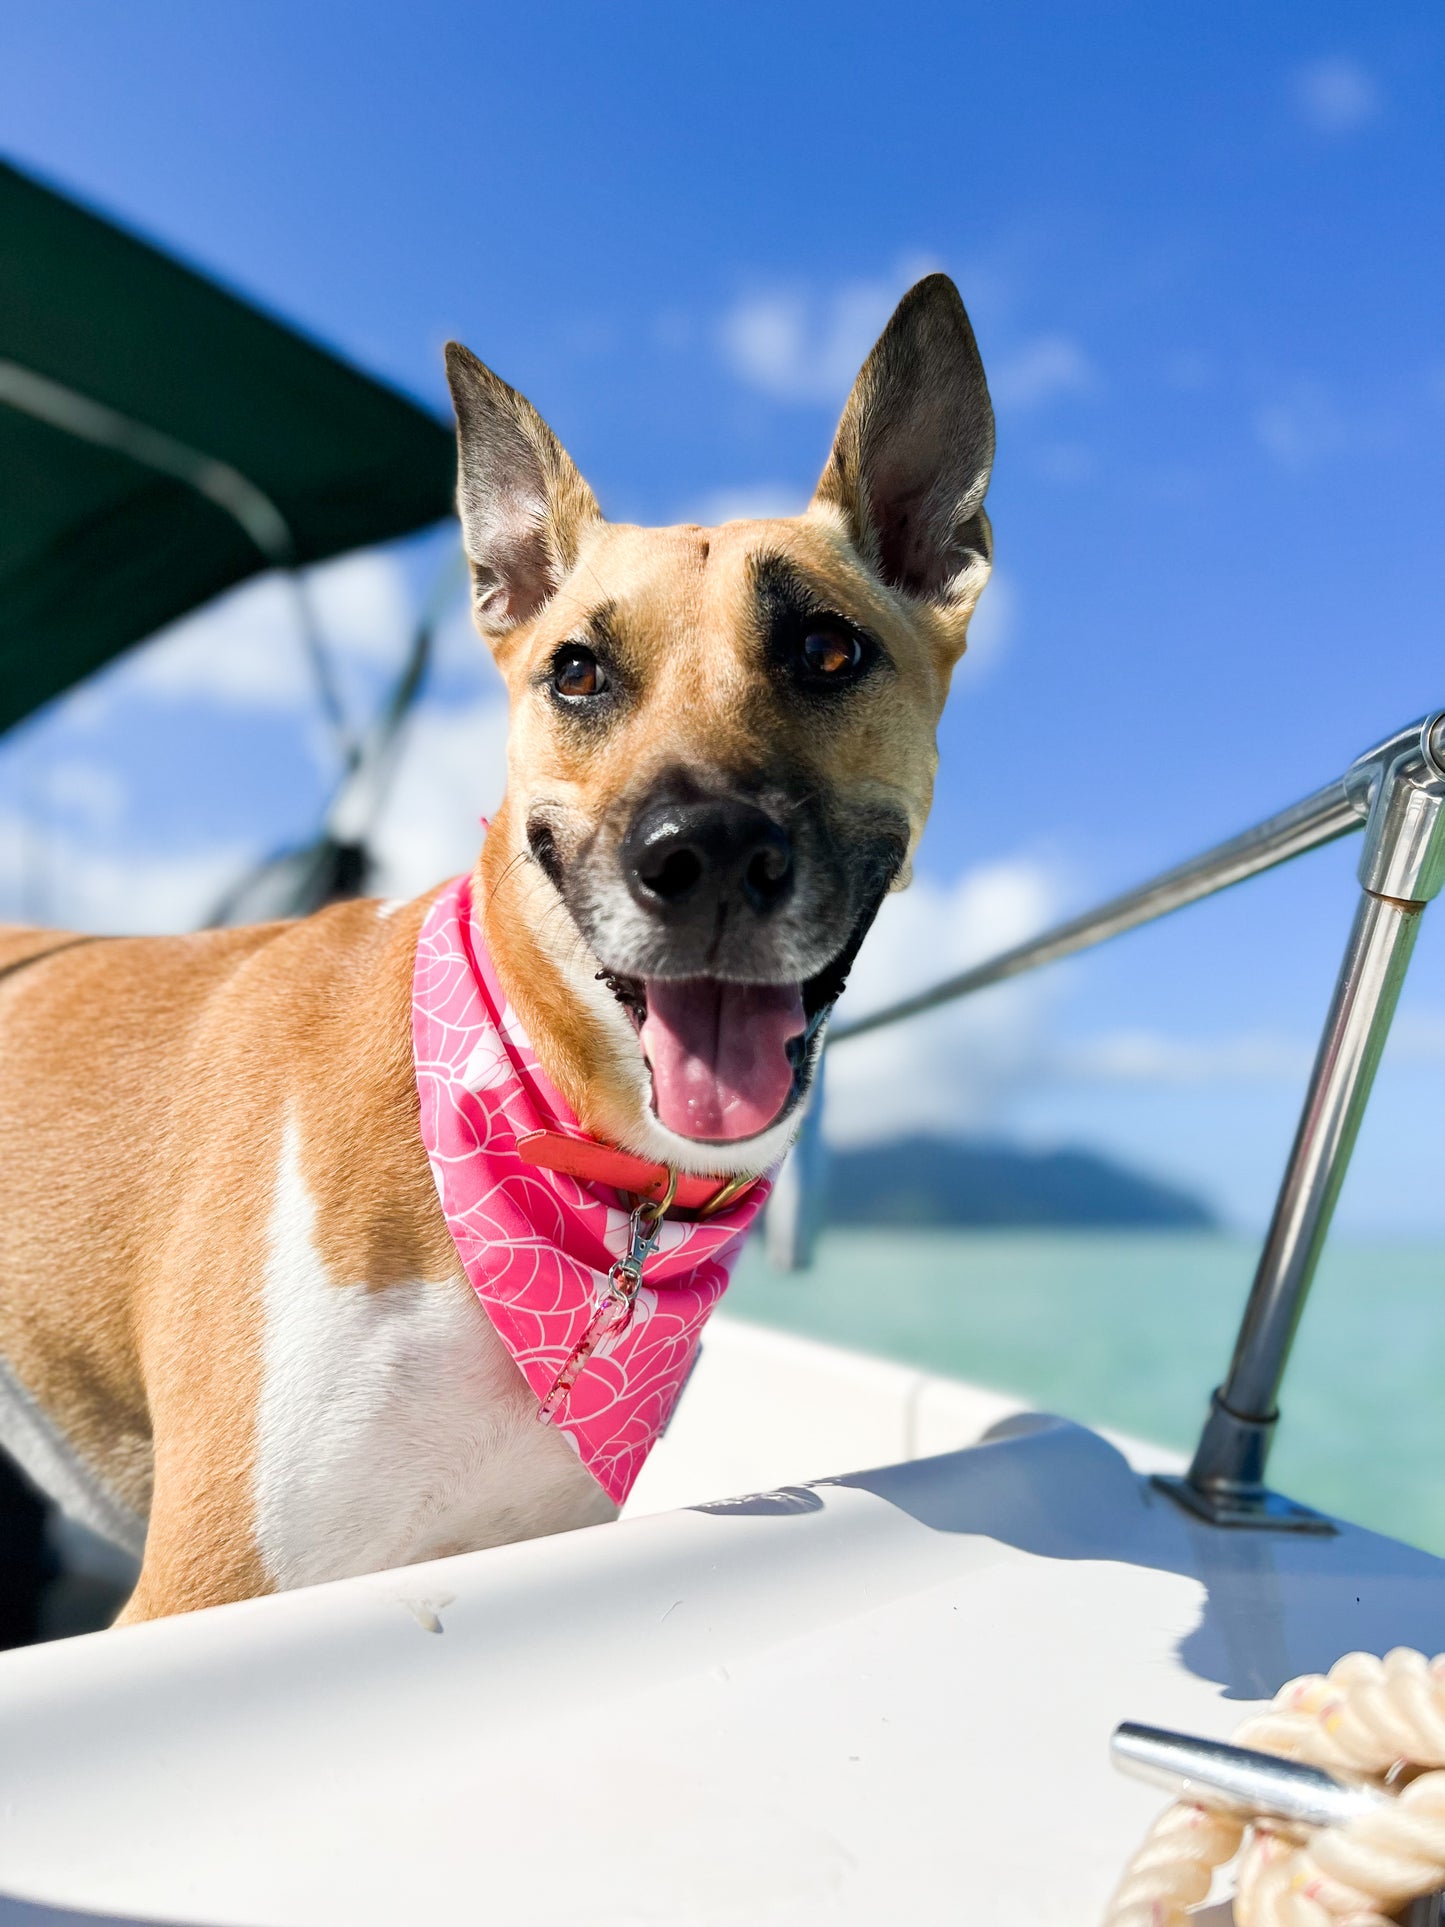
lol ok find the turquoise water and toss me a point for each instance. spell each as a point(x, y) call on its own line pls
point(1134, 1331)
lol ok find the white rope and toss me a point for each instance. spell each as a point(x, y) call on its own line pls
point(1384, 1719)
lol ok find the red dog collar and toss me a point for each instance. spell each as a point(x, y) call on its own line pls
point(597, 1163)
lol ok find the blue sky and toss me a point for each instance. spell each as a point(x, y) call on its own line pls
point(1204, 255)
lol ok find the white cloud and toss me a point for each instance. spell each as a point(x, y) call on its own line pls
point(362, 605)
point(991, 630)
point(803, 345)
point(1047, 369)
point(1147, 1057)
point(1336, 96)
point(451, 768)
point(90, 791)
point(749, 502)
point(50, 876)
point(969, 1066)
point(1150, 1057)
point(458, 653)
point(246, 649)
point(71, 851)
point(947, 1071)
point(242, 651)
point(453, 771)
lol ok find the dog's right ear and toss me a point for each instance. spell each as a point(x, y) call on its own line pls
point(522, 504)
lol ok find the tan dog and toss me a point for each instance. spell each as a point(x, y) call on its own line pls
point(234, 1324)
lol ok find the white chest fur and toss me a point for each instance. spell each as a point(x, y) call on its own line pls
point(392, 1424)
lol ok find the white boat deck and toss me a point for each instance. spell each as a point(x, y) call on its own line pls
point(875, 1697)
point(764, 1408)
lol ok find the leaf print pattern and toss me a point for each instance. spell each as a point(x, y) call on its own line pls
point(536, 1245)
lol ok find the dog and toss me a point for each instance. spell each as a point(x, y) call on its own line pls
point(235, 1331)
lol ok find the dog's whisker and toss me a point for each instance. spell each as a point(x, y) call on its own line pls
point(522, 856)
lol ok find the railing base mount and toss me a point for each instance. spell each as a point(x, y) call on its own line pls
point(1249, 1508)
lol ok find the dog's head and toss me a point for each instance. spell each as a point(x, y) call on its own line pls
point(722, 741)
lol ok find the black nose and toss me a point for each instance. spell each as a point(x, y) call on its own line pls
point(697, 859)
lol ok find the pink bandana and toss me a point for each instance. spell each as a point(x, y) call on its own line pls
point(536, 1245)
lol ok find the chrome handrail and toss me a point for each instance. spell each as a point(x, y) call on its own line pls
point(1395, 792)
point(1322, 818)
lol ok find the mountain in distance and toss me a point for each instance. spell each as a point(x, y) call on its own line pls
point(980, 1183)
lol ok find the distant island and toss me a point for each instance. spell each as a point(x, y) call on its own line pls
point(960, 1181)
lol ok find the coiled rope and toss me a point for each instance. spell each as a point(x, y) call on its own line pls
point(1381, 1719)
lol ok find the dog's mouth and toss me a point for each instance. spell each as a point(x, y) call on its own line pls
point(721, 1054)
point(725, 1059)
point(729, 1041)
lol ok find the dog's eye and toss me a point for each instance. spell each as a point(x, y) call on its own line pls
point(831, 655)
point(577, 672)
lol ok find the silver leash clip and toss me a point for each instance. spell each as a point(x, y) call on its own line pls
point(644, 1236)
point(612, 1312)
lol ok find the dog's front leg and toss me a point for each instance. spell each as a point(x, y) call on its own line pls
point(184, 1569)
point(200, 1546)
point(200, 1342)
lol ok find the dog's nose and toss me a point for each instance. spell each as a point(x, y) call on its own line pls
point(689, 859)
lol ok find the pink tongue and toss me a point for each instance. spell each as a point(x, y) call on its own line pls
point(720, 1064)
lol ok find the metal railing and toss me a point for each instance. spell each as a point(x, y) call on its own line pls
point(1396, 794)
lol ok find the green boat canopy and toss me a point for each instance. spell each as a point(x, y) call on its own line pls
point(161, 439)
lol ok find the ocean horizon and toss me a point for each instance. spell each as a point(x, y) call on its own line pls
point(1134, 1329)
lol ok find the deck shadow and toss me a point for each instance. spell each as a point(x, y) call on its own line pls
point(1276, 1604)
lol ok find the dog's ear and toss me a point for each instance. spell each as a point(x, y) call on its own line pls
point(913, 453)
point(522, 504)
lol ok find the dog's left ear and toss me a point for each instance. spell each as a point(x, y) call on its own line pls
point(522, 504)
point(913, 453)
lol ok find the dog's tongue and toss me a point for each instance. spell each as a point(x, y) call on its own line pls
point(719, 1054)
